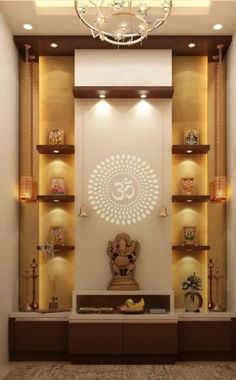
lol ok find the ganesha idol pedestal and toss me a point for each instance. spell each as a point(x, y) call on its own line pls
point(123, 253)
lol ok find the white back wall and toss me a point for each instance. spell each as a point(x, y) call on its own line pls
point(9, 181)
point(126, 175)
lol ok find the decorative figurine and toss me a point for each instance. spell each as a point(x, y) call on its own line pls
point(191, 136)
point(56, 136)
point(217, 277)
point(27, 302)
point(187, 186)
point(123, 253)
point(189, 235)
point(192, 299)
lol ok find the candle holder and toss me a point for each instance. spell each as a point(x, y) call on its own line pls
point(34, 275)
point(211, 265)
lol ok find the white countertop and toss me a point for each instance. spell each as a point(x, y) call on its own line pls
point(72, 317)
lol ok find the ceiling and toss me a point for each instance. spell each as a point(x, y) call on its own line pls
point(185, 20)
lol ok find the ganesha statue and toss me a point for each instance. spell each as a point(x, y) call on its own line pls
point(123, 253)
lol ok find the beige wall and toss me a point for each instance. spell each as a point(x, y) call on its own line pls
point(9, 184)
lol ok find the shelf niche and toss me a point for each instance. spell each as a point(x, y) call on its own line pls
point(56, 198)
point(190, 149)
point(190, 198)
point(119, 92)
point(56, 149)
point(190, 248)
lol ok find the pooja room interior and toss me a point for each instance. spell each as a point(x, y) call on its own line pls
point(135, 140)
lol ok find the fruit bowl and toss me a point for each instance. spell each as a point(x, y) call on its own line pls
point(129, 310)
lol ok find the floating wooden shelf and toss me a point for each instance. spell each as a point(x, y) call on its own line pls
point(59, 248)
point(56, 149)
point(123, 91)
point(190, 198)
point(190, 149)
point(190, 248)
point(56, 199)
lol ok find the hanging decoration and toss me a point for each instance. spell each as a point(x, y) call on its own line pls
point(218, 184)
point(27, 180)
point(83, 210)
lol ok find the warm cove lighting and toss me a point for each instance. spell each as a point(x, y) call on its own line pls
point(27, 26)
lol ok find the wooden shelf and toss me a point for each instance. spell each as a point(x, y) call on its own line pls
point(190, 248)
point(190, 149)
point(56, 198)
point(59, 248)
point(116, 92)
point(190, 198)
point(56, 149)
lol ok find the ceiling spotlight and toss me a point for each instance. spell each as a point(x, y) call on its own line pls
point(191, 45)
point(102, 96)
point(189, 151)
point(189, 200)
point(54, 45)
point(217, 27)
point(27, 26)
point(56, 151)
point(56, 201)
point(143, 96)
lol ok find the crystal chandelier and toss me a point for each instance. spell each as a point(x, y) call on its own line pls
point(122, 22)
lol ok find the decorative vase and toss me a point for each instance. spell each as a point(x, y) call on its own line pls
point(193, 301)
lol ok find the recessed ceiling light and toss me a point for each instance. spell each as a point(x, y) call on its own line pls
point(143, 96)
point(102, 96)
point(217, 27)
point(56, 151)
point(191, 45)
point(27, 26)
point(56, 200)
point(54, 45)
point(189, 151)
point(189, 200)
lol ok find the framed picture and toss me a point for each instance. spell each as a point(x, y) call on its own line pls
point(190, 235)
point(191, 136)
point(57, 235)
point(56, 136)
point(57, 186)
point(187, 186)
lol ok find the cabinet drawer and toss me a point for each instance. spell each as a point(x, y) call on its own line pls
point(150, 338)
point(205, 336)
point(95, 338)
point(40, 336)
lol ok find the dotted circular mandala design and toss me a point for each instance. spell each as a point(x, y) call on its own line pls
point(123, 189)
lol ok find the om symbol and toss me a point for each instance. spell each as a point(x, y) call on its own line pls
point(123, 189)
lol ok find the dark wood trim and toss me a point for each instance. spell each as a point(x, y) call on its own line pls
point(185, 149)
point(205, 45)
point(116, 92)
point(190, 248)
point(206, 356)
point(38, 356)
point(123, 359)
point(190, 198)
point(56, 149)
point(56, 198)
point(60, 248)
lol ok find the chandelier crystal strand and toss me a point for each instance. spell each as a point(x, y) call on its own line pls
point(26, 181)
point(121, 22)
